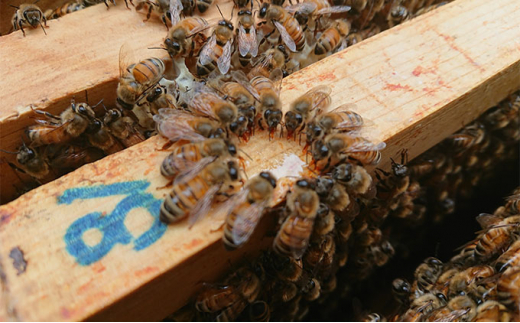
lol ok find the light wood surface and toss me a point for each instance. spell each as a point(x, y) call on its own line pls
point(418, 82)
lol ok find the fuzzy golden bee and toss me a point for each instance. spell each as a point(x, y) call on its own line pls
point(28, 15)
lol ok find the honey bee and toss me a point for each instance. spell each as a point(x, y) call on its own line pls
point(218, 49)
point(460, 308)
point(355, 178)
point(267, 92)
point(176, 125)
point(397, 15)
point(325, 220)
point(460, 142)
point(247, 208)
point(63, 10)
point(247, 285)
point(510, 258)
point(333, 38)
point(314, 9)
point(161, 7)
point(284, 268)
point(467, 281)
point(396, 183)
point(123, 128)
point(290, 30)
point(312, 290)
point(59, 129)
point(190, 155)
point(247, 42)
point(340, 146)
point(156, 99)
point(293, 237)
point(512, 205)
point(427, 273)
point(89, 3)
point(186, 37)
point(269, 61)
point(136, 79)
point(507, 288)
point(71, 157)
point(422, 307)
point(100, 137)
point(306, 106)
point(402, 291)
point(210, 105)
point(492, 311)
point(31, 162)
point(213, 299)
point(332, 193)
point(28, 15)
point(259, 311)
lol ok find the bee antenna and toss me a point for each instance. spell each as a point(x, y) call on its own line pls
point(100, 102)
point(220, 13)
point(232, 10)
point(243, 152)
point(14, 6)
point(35, 2)
point(157, 48)
point(9, 152)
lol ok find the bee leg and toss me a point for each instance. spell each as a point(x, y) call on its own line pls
point(164, 21)
point(106, 4)
point(166, 146)
point(168, 185)
point(21, 27)
point(260, 124)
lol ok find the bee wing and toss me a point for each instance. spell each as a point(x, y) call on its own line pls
point(175, 126)
point(193, 169)
point(253, 42)
point(175, 11)
point(365, 145)
point(204, 205)
point(126, 58)
point(342, 46)
point(242, 79)
point(286, 38)
point(513, 197)
point(321, 97)
point(305, 8)
point(246, 223)
point(200, 104)
point(244, 45)
point(224, 61)
point(349, 125)
point(298, 252)
point(207, 50)
point(331, 10)
point(276, 76)
point(486, 220)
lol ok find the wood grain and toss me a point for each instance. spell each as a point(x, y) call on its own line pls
point(418, 82)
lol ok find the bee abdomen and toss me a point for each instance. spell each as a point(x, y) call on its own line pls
point(293, 237)
point(182, 199)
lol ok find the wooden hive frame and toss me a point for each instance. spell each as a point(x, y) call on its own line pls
point(418, 82)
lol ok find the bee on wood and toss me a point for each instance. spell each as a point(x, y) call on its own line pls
point(333, 38)
point(137, 79)
point(193, 194)
point(267, 92)
point(208, 104)
point(160, 7)
point(290, 30)
point(309, 12)
point(269, 61)
point(100, 137)
point(186, 37)
point(304, 108)
point(123, 128)
point(59, 129)
point(28, 15)
point(293, 237)
point(176, 125)
point(31, 162)
point(65, 9)
point(247, 207)
point(217, 50)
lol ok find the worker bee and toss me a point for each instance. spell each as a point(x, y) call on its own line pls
point(396, 183)
point(100, 137)
point(401, 290)
point(184, 157)
point(332, 193)
point(247, 285)
point(325, 220)
point(213, 299)
point(136, 79)
point(293, 237)
point(422, 307)
point(290, 30)
point(89, 3)
point(31, 162)
point(247, 209)
point(192, 195)
point(267, 92)
point(467, 281)
point(510, 258)
point(176, 125)
point(492, 311)
point(306, 106)
point(314, 9)
point(71, 157)
point(218, 49)
point(512, 205)
point(355, 178)
point(397, 15)
point(160, 7)
point(333, 38)
point(507, 288)
point(340, 146)
point(63, 10)
point(247, 42)
point(186, 37)
point(259, 311)
point(208, 104)
point(460, 142)
point(284, 268)
point(269, 61)
point(28, 15)
point(59, 129)
point(459, 309)
point(123, 128)
point(427, 273)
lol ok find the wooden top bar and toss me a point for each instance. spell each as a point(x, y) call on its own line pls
point(91, 241)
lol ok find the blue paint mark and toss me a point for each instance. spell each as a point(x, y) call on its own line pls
point(112, 225)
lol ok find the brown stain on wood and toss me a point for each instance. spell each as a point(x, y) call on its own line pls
point(19, 262)
point(398, 87)
point(423, 70)
point(146, 271)
point(451, 42)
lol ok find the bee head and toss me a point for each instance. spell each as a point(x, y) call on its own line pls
point(313, 131)
point(293, 120)
point(233, 170)
point(25, 154)
point(342, 173)
point(173, 47)
point(269, 177)
point(306, 184)
point(239, 126)
point(319, 150)
point(324, 185)
point(263, 10)
point(273, 118)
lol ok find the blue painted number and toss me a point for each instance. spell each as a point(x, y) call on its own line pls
point(112, 225)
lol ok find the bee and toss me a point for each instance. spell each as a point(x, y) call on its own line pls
point(460, 308)
point(59, 129)
point(396, 183)
point(246, 35)
point(267, 92)
point(312, 290)
point(355, 178)
point(89, 3)
point(268, 62)
point(333, 38)
point(31, 162)
point(71, 157)
point(161, 7)
point(156, 99)
point(353, 38)
point(176, 125)
point(492, 311)
point(341, 119)
point(28, 15)
point(306, 106)
point(100, 137)
point(510, 258)
point(65, 9)
point(193, 194)
point(467, 281)
point(290, 30)
point(247, 209)
point(314, 9)
point(284, 268)
point(332, 193)
point(213, 299)
point(210, 105)
point(190, 155)
point(325, 220)
point(422, 307)
point(247, 285)
point(186, 37)
point(293, 237)
point(512, 205)
point(340, 146)
point(218, 49)
point(461, 142)
point(402, 291)
point(259, 311)
point(123, 128)
point(507, 288)
point(427, 273)
point(397, 15)
point(136, 79)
